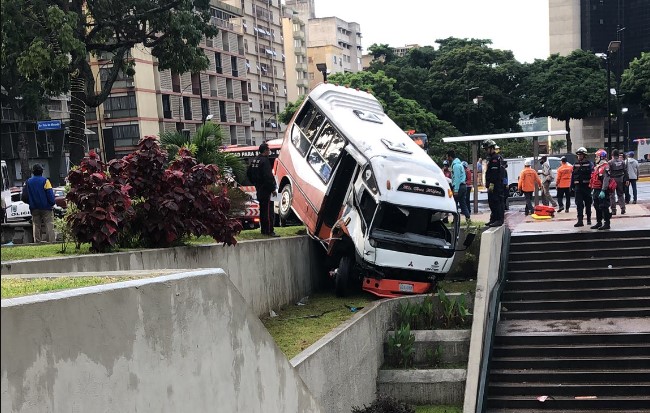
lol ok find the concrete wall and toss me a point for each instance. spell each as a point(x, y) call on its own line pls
point(488, 274)
point(179, 343)
point(268, 273)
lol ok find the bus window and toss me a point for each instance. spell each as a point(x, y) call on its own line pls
point(318, 164)
point(314, 125)
point(305, 115)
point(367, 205)
point(334, 149)
point(299, 140)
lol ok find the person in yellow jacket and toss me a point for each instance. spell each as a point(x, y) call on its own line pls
point(563, 184)
point(527, 180)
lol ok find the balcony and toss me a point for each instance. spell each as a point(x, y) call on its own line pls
point(299, 35)
point(302, 82)
point(300, 51)
point(301, 67)
point(225, 24)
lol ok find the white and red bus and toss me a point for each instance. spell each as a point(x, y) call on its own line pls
point(251, 216)
point(368, 193)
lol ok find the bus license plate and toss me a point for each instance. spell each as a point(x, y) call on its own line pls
point(407, 288)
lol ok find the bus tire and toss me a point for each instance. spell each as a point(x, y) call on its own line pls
point(514, 191)
point(344, 276)
point(286, 199)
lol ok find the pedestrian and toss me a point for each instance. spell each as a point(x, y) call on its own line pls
point(494, 182)
point(458, 183)
point(618, 172)
point(580, 178)
point(479, 171)
point(446, 171)
point(632, 175)
point(261, 175)
point(469, 183)
point(526, 184)
point(599, 183)
point(38, 193)
point(547, 178)
point(563, 184)
point(506, 192)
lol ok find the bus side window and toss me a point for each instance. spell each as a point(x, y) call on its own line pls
point(334, 149)
point(314, 125)
point(299, 140)
point(305, 115)
point(318, 164)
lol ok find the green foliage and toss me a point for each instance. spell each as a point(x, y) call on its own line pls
point(455, 311)
point(18, 287)
point(384, 404)
point(635, 82)
point(434, 357)
point(565, 87)
point(401, 347)
point(205, 145)
point(287, 114)
point(558, 145)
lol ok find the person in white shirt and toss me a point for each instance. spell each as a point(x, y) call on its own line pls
point(633, 175)
point(547, 178)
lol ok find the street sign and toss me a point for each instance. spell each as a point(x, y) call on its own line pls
point(49, 124)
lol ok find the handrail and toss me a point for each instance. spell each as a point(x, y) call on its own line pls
point(491, 323)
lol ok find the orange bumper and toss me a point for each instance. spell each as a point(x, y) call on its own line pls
point(387, 288)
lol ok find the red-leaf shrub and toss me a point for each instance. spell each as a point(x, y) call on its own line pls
point(103, 204)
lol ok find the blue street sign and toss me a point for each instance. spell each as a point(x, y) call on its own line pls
point(49, 124)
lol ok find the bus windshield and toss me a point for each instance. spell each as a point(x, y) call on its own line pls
point(415, 226)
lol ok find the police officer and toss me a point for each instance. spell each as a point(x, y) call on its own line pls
point(494, 182)
point(580, 177)
point(600, 183)
point(618, 172)
point(260, 174)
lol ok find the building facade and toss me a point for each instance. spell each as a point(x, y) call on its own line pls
point(295, 49)
point(592, 25)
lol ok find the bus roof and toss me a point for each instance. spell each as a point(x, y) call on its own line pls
point(361, 118)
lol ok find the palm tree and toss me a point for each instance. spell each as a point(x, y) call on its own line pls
point(557, 146)
point(206, 146)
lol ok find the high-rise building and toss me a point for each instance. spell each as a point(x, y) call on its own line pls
point(334, 42)
point(592, 25)
point(295, 49)
point(263, 47)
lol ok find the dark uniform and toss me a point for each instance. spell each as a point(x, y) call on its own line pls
point(618, 172)
point(262, 177)
point(580, 177)
point(494, 182)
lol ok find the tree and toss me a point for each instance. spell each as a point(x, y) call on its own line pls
point(558, 145)
point(287, 114)
point(205, 146)
point(635, 82)
point(565, 88)
point(61, 34)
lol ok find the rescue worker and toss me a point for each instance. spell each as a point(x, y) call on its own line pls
point(446, 171)
point(618, 172)
point(580, 178)
point(547, 178)
point(494, 183)
point(599, 183)
point(563, 184)
point(260, 174)
point(526, 184)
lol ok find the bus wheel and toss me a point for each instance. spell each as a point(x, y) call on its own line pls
point(286, 198)
point(344, 276)
point(513, 191)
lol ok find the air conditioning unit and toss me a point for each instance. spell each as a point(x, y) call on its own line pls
point(130, 83)
point(107, 115)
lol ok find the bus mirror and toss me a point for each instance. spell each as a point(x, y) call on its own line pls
point(469, 238)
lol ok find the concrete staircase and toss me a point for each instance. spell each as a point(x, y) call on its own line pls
point(574, 329)
point(436, 386)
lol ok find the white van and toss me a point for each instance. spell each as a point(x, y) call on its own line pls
point(516, 165)
point(368, 193)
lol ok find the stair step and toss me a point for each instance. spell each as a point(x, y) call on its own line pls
point(545, 273)
point(569, 389)
point(573, 245)
point(580, 236)
point(576, 283)
point(550, 340)
point(581, 254)
point(578, 304)
point(569, 376)
point(611, 403)
point(567, 263)
point(576, 350)
point(576, 314)
point(571, 363)
point(420, 387)
point(584, 292)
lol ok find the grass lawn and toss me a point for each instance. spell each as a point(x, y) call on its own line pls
point(297, 327)
point(24, 252)
point(438, 409)
point(17, 287)
point(457, 286)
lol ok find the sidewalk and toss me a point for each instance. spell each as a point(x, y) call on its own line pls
point(637, 216)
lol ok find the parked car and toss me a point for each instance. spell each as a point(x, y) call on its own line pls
point(18, 211)
point(59, 197)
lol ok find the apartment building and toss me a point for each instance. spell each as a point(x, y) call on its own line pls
point(334, 42)
point(152, 101)
point(295, 49)
point(592, 25)
point(401, 51)
point(263, 47)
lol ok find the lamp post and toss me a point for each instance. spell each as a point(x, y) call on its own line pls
point(180, 101)
point(467, 90)
point(613, 47)
point(626, 143)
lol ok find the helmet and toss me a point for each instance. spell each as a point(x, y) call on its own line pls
point(581, 150)
point(527, 162)
point(445, 162)
point(563, 159)
point(601, 153)
point(465, 164)
point(488, 143)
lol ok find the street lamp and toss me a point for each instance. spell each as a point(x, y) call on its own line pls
point(322, 67)
point(626, 143)
point(180, 100)
point(467, 90)
point(613, 47)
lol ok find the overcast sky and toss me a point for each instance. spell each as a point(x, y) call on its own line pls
point(517, 25)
